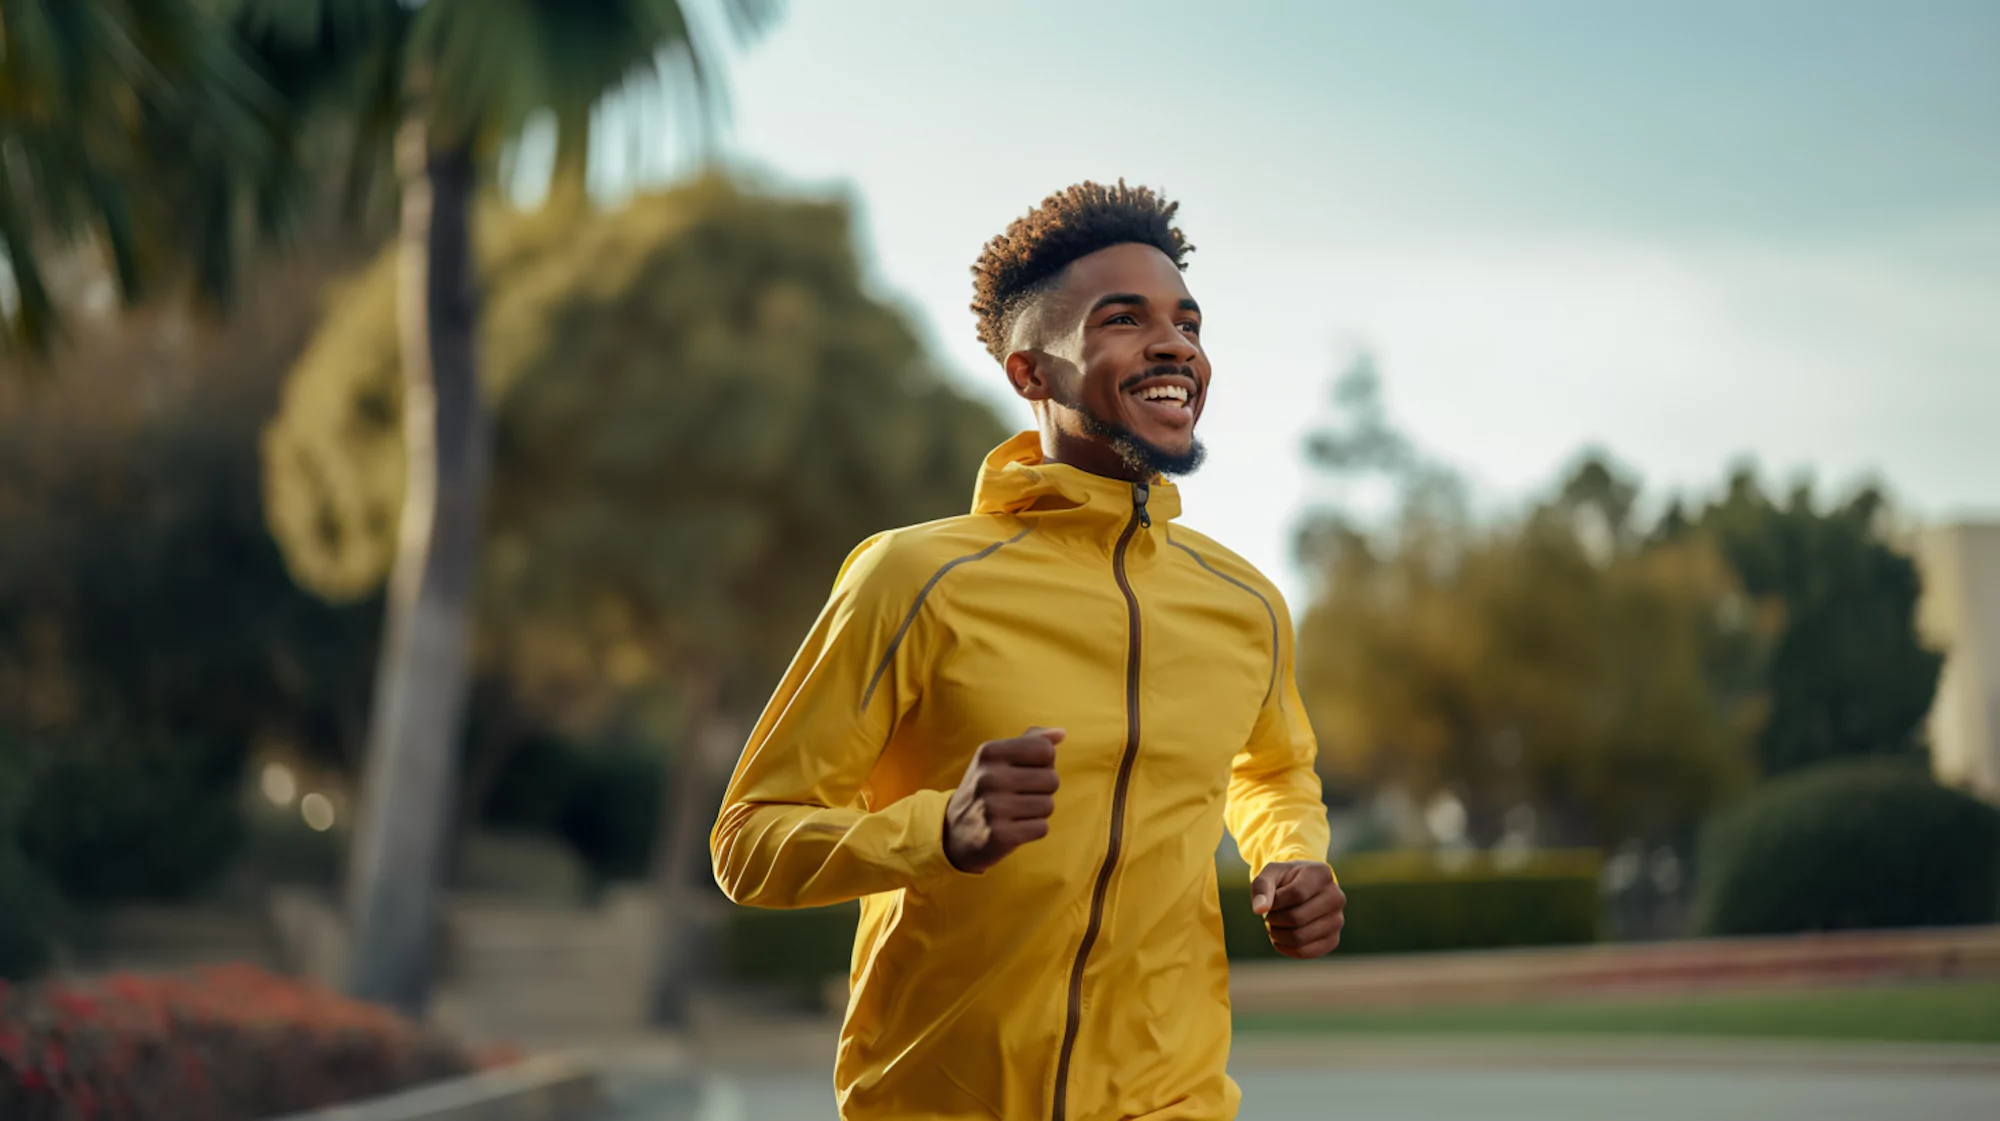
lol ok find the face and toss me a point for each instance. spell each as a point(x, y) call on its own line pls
point(1112, 360)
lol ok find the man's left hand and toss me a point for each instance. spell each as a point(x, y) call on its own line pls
point(1303, 907)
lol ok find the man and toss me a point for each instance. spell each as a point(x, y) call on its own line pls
point(1040, 935)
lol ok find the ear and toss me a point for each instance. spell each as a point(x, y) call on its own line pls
point(1027, 371)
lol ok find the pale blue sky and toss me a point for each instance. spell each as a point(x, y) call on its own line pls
point(1687, 232)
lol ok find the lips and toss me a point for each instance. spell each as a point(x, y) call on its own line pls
point(1166, 399)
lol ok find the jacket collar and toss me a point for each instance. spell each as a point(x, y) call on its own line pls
point(1015, 480)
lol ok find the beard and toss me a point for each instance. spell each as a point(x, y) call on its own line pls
point(1146, 458)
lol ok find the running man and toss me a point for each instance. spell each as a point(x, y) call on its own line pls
point(1017, 735)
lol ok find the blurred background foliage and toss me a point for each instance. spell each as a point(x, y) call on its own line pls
point(700, 409)
point(1583, 671)
point(1855, 844)
point(699, 405)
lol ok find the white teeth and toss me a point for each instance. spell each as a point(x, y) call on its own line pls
point(1177, 393)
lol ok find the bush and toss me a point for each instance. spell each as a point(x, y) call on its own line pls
point(227, 1044)
point(613, 817)
point(26, 906)
point(112, 816)
point(1397, 903)
point(604, 800)
point(1850, 845)
point(793, 951)
point(1407, 902)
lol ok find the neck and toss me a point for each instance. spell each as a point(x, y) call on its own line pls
point(1086, 453)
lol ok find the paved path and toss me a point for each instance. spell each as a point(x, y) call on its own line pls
point(1430, 1079)
point(777, 1074)
point(1598, 1095)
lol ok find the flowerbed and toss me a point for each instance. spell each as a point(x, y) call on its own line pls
point(232, 1043)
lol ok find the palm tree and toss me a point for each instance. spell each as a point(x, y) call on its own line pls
point(445, 84)
point(133, 129)
point(167, 132)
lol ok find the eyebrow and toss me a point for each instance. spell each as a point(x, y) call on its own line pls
point(1136, 300)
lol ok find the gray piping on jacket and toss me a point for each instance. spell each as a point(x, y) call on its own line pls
point(1268, 609)
point(910, 617)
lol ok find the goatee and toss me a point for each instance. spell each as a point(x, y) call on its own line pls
point(1146, 458)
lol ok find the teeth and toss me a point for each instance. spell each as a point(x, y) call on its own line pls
point(1165, 393)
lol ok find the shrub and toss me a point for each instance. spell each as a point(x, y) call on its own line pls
point(225, 1044)
point(111, 815)
point(1850, 845)
point(612, 820)
point(603, 799)
point(1397, 903)
point(794, 951)
point(25, 911)
point(1407, 902)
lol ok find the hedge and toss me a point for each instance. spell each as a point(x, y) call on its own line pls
point(1397, 903)
point(794, 952)
point(110, 815)
point(1850, 845)
point(1409, 902)
point(225, 1044)
point(26, 908)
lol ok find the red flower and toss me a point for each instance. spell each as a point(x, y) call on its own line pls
point(73, 1005)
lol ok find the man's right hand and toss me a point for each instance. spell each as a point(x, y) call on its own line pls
point(1004, 800)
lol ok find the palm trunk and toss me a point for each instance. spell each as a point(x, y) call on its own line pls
point(679, 838)
point(401, 842)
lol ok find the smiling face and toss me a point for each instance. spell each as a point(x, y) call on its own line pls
point(1111, 358)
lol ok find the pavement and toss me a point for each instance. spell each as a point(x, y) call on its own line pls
point(774, 1076)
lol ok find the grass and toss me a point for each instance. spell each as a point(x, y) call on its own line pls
point(1929, 1013)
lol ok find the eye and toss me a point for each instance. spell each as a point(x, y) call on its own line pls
point(1191, 327)
point(1124, 316)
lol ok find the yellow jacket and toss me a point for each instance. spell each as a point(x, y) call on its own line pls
point(1083, 977)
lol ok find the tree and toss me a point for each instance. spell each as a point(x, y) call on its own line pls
point(1849, 675)
point(1553, 661)
point(150, 637)
point(135, 128)
point(701, 410)
point(456, 80)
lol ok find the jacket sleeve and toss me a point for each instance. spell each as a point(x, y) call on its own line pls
point(795, 830)
point(1274, 809)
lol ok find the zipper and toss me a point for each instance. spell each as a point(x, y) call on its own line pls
point(1140, 519)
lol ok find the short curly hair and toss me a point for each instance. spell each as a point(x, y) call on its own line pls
point(1072, 223)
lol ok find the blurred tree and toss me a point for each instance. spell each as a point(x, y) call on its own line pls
point(137, 129)
point(455, 80)
point(150, 637)
point(702, 410)
point(1849, 675)
point(1556, 662)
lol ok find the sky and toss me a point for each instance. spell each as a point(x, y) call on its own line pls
point(1689, 234)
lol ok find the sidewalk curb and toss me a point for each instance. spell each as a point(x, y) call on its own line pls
point(1571, 972)
point(555, 1087)
point(1574, 1052)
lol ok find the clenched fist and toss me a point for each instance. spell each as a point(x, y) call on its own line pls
point(1004, 800)
point(1303, 907)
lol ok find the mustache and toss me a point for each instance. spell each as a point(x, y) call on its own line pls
point(1164, 370)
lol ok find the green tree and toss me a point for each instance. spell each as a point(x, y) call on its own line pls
point(455, 80)
point(701, 410)
point(1849, 675)
point(150, 636)
point(135, 129)
point(1554, 660)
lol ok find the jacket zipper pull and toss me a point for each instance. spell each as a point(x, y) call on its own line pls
point(1140, 493)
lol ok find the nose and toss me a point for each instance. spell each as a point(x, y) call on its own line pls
point(1171, 345)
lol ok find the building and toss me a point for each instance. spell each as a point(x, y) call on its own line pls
point(1960, 615)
